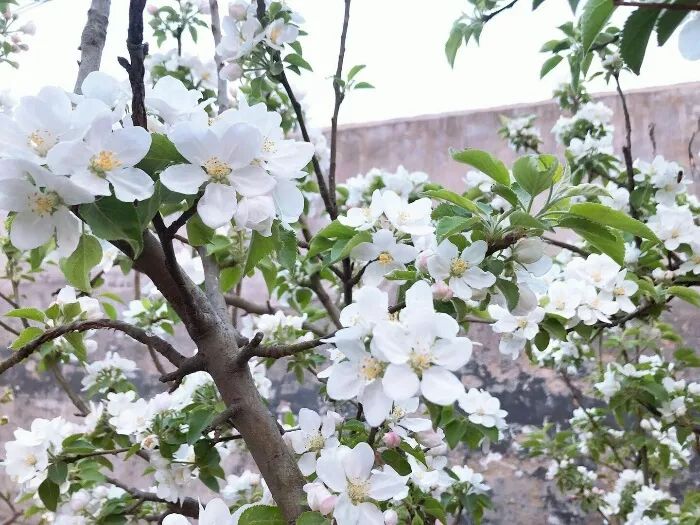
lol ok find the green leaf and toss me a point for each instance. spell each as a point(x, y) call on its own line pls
point(550, 64)
point(454, 198)
point(27, 313)
point(396, 460)
point(58, 472)
point(507, 194)
point(454, 41)
point(448, 226)
point(147, 209)
point(297, 60)
point(485, 163)
point(354, 70)
point(510, 291)
point(595, 15)
point(342, 248)
point(114, 220)
point(669, 21)
point(434, 508)
point(198, 233)
point(536, 173)
point(687, 356)
point(286, 246)
point(454, 431)
point(230, 277)
point(312, 518)
point(26, 336)
point(597, 236)
point(363, 85)
point(262, 515)
point(76, 268)
point(687, 294)
point(635, 37)
point(554, 327)
point(613, 218)
point(260, 247)
point(520, 218)
point(161, 154)
point(49, 493)
point(197, 421)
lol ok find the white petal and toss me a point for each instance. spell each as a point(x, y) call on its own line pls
point(386, 484)
point(131, 184)
point(440, 386)
point(87, 180)
point(453, 354)
point(475, 253)
point(358, 462)
point(129, 144)
point(369, 514)
point(376, 405)
point(183, 178)
point(391, 340)
point(309, 421)
point(29, 230)
point(217, 205)
point(67, 231)
point(343, 382)
point(400, 382)
point(329, 468)
point(289, 200)
point(66, 158)
point(251, 181)
point(307, 463)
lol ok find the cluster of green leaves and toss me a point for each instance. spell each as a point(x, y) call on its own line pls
point(170, 22)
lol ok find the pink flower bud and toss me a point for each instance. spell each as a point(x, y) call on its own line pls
point(327, 505)
point(392, 439)
point(29, 28)
point(7, 14)
point(15, 38)
point(422, 260)
point(441, 292)
point(390, 517)
point(238, 11)
point(231, 71)
point(152, 10)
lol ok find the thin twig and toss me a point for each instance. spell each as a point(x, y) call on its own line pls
point(339, 91)
point(566, 246)
point(136, 333)
point(68, 389)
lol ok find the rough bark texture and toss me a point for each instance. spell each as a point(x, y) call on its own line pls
point(221, 95)
point(92, 41)
point(216, 342)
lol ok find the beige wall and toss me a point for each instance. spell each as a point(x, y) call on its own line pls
point(422, 143)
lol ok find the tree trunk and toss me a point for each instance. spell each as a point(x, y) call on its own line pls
point(92, 41)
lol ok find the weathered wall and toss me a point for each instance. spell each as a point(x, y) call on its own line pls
point(422, 143)
point(530, 395)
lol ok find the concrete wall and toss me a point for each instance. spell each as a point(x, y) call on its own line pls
point(422, 143)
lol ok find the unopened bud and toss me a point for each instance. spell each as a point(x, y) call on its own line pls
point(29, 28)
point(390, 517)
point(238, 11)
point(422, 260)
point(231, 71)
point(152, 10)
point(391, 439)
point(7, 14)
point(441, 291)
point(528, 251)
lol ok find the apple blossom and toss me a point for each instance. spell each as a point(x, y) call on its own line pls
point(461, 271)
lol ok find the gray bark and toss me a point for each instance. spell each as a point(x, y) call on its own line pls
point(92, 41)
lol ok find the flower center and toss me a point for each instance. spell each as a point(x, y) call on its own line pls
point(397, 413)
point(420, 361)
point(315, 442)
point(31, 460)
point(358, 491)
point(371, 368)
point(404, 217)
point(103, 162)
point(619, 291)
point(458, 267)
point(41, 141)
point(385, 258)
point(44, 203)
point(269, 146)
point(217, 169)
point(522, 323)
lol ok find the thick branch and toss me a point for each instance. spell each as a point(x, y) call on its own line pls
point(278, 351)
point(316, 285)
point(137, 52)
point(92, 41)
point(211, 283)
point(136, 333)
point(189, 507)
point(249, 306)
